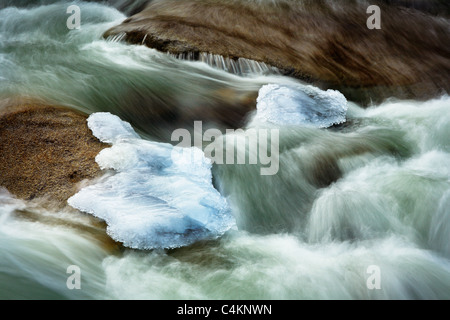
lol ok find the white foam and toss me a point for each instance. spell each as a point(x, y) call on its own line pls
point(154, 199)
point(303, 105)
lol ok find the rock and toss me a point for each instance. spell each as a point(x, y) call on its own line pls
point(325, 44)
point(157, 115)
point(45, 151)
point(128, 7)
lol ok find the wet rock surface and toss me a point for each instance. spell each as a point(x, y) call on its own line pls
point(45, 151)
point(329, 46)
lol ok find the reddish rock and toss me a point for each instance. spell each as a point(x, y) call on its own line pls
point(45, 151)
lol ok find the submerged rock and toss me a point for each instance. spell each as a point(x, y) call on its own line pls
point(45, 151)
point(326, 44)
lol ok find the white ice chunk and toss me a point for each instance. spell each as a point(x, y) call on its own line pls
point(300, 105)
point(159, 197)
point(109, 128)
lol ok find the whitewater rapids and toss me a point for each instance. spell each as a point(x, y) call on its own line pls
point(365, 187)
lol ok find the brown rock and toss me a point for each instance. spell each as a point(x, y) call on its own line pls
point(45, 151)
point(156, 115)
point(317, 41)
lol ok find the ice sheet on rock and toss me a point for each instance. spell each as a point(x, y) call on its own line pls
point(300, 105)
point(110, 129)
point(159, 197)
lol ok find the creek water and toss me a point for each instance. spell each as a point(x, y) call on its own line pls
point(372, 191)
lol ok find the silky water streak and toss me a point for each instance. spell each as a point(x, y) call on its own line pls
point(251, 146)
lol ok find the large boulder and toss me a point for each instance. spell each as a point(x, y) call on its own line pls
point(321, 42)
point(45, 151)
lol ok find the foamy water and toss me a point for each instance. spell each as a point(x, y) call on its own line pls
point(372, 191)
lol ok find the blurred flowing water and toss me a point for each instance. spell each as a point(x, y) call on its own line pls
point(372, 191)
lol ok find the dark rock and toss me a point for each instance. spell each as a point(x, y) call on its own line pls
point(326, 44)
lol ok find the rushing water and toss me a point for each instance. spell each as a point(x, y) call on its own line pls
point(374, 191)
